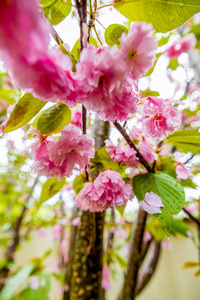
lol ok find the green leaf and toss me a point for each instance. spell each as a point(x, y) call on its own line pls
point(43, 290)
point(173, 64)
point(113, 33)
point(168, 188)
point(25, 109)
point(155, 62)
point(78, 183)
point(165, 15)
point(50, 188)
point(56, 11)
point(186, 140)
point(148, 92)
point(102, 159)
point(54, 117)
point(178, 226)
point(76, 50)
point(164, 40)
point(15, 282)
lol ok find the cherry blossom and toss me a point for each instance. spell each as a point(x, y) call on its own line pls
point(152, 203)
point(107, 191)
point(159, 117)
point(138, 49)
point(182, 172)
point(147, 151)
point(76, 221)
point(102, 84)
point(122, 153)
point(36, 69)
point(58, 158)
point(181, 46)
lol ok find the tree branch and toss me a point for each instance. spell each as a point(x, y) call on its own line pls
point(144, 278)
point(10, 251)
point(135, 256)
point(132, 145)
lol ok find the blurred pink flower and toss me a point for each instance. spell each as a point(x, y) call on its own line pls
point(47, 74)
point(147, 236)
point(76, 221)
point(138, 49)
point(106, 277)
point(165, 244)
point(107, 191)
point(34, 282)
point(57, 231)
point(152, 203)
point(41, 231)
point(182, 172)
point(64, 249)
point(181, 46)
point(122, 153)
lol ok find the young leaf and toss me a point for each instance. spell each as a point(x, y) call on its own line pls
point(25, 109)
point(163, 14)
point(54, 117)
point(186, 140)
point(113, 33)
point(167, 188)
point(15, 282)
point(56, 11)
point(50, 188)
point(78, 183)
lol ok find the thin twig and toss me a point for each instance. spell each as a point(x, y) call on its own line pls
point(197, 221)
point(132, 145)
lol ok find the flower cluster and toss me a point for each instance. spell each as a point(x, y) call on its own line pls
point(159, 117)
point(107, 191)
point(100, 83)
point(122, 153)
point(58, 158)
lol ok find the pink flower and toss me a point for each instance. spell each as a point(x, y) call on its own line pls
point(122, 153)
point(102, 84)
point(76, 221)
point(57, 231)
point(159, 117)
point(36, 69)
point(107, 191)
point(76, 119)
point(152, 203)
point(41, 231)
point(72, 148)
point(34, 282)
point(138, 49)
point(181, 46)
point(182, 172)
point(64, 250)
point(165, 244)
point(147, 151)
point(147, 236)
point(58, 158)
point(22, 28)
point(106, 277)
